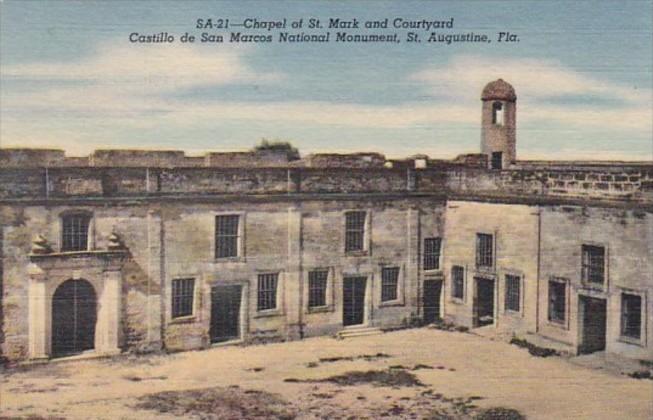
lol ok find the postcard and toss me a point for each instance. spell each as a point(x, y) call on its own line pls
point(326, 209)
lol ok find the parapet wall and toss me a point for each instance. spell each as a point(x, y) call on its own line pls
point(52, 158)
point(625, 183)
point(49, 174)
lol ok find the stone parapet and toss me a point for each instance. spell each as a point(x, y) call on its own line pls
point(594, 180)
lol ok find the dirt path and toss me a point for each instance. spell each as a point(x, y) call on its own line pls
point(457, 373)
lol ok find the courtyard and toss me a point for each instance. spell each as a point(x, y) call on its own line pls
point(413, 373)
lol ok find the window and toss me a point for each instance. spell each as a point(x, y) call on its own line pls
point(457, 282)
point(226, 236)
point(389, 283)
point(497, 160)
point(317, 288)
point(593, 264)
point(355, 231)
point(484, 251)
point(267, 291)
point(631, 316)
point(75, 232)
point(497, 113)
point(182, 297)
point(557, 300)
point(432, 253)
point(513, 284)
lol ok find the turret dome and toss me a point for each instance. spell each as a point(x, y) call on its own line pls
point(499, 90)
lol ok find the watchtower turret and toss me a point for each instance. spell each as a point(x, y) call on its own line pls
point(498, 125)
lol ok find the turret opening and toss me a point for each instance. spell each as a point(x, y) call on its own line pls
point(497, 113)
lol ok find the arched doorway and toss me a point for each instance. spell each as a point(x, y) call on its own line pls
point(74, 315)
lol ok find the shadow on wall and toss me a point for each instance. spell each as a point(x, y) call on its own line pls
point(137, 288)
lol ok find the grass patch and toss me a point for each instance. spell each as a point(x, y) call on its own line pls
point(646, 363)
point(499, 413)
point(397, 367)
point(135, 378)
point(390, 378)
point(420, 366)
point(448, 326)
point(366, 357)
point(218, 403)
point(533, 349)
point(641, 374)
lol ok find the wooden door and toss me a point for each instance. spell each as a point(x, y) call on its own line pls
point(353, 306)
point(225, 313)
point(74, 315)
point(431, 300)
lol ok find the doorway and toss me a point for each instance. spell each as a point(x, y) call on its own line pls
point(497, 160)
point(74, 315)
point(225, 313)
point(593, 315)
point(484, 302)
point(353, 304)
point(431, 300)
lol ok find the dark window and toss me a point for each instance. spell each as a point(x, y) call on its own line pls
point(631, 315)
point(226, 236)
point(512, 293)
point(389, 283)
point(75, 232)
point(484, 250)
point(317, 288)
point(432, 253)
point(182, 297)
point(354, 231)
point(267, 291)
point(593, 264)
point(497, 160)
point(457, 282)
point(497, 113)
point(557, 300)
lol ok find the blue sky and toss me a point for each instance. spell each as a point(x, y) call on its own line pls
point(71, 79)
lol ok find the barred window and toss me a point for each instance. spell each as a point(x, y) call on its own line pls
point(432, 253)
point(317, 288)
point(389, 283)
point(593, 264)
point(75, 232)
point(457, 282)
point(513, 284)
point(267, 291)
point(355, 231)
point(484, 250)
point(226, 236)
point(631, 316)
point(182, 297)
point(557, 300)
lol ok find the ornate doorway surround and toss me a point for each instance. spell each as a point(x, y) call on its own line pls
point(102, 270)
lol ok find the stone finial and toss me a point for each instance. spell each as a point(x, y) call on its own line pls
point(40, 245)
point(115, 242)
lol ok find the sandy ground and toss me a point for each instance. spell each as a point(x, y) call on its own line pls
point(456, 365)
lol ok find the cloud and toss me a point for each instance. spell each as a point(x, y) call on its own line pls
point(156, 68)
point(130, 91)
point(534, 79)
point(328, 113)
point(545, 90)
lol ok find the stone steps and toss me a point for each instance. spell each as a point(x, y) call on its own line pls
point(350, 332)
